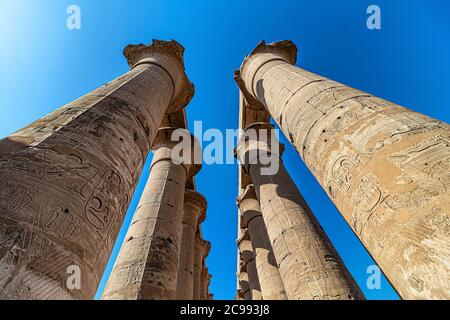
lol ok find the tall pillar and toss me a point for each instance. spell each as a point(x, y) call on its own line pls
point(194, 206)
point(67, 179)
point(201, 248)
point(248, 257)
point(309, 265)
point(205, 280)
point(385, 167)
point(147, 264)
point(272, 287)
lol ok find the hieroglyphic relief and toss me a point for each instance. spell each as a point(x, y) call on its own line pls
point(13, 196)
point(429, 159)
point(333, 94)
point(340, 178)
point(366, 198)
point(390, 128)
point(69, 180)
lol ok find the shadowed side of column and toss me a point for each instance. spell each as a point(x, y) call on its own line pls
point(194, 208)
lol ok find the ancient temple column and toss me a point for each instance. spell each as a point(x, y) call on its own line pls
point(309, 265)
point(147, 264)
point(244, 292)
point(194, 207)
point(67, 179)
point(248, 257)
point(386, 168)
point(272, 287)
point(205, 280)
point(201, 248)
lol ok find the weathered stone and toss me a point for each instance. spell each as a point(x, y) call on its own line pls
point(147, 264)
point(271, 285)
point(67, 179)
point(205, 281)
point(194, 206)
point(243, 292)
point(202, 249)
point(309, 265)
point(248, 257)
point(385, 167)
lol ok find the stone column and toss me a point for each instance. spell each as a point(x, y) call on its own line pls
point(67, 179)
point(248, 257)
point(385, 167)
point(309, 265)
point(202, 248)
point(272, 287)
point(194, 206)
point(244, 292)
point(147, 264)
point(205, 280)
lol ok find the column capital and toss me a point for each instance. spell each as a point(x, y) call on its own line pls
point(198, 203)
point(169, 56)
point(205, 271)
point(244, 291)
point(258, 144)
point(203, 245)
point(248, 204)
point(283, 51)
point(242, 266)
point(245, 248)
point(192, 161)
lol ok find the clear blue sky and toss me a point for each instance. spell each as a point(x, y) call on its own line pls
point(43, 65)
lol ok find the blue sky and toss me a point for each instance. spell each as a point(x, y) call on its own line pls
point(44, 65)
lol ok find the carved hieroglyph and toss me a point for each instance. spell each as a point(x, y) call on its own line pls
point(193, 212)
point(67, 179)
point(309, 265)
point(270, 282)
point(147, 264)
point(385, 167)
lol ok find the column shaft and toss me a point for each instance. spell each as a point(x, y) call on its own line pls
point(147, 265)
point(67, 179)
point(205, 278)
point(385, 167)
point(202, 248)
point(194, 203)
point(272, 287)
point(309, 265)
